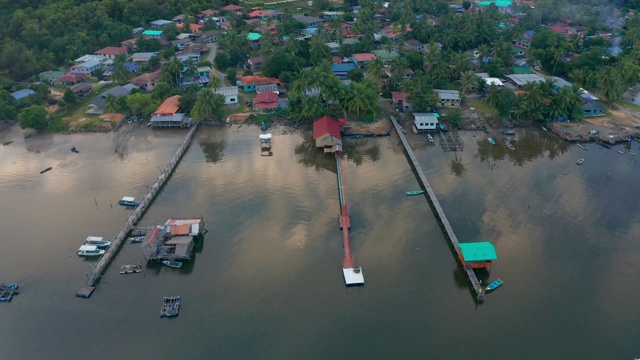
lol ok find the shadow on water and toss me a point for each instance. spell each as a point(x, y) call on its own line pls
point(358, 150)
point(457, 166)
point(310, 156)
point(213, 150)
point(157, 267)
point(531, 145)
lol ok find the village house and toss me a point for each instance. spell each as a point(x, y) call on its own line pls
point(309, 21)
point(254, 39)
point(263, 15)
point(86, 68)
point(230, 94)
point(327, 133)
point(448, 98)
point(265, 102)
point(146, 82)
point(20, 95)
point(591, 107)
point(333, 47)
point(194, 28)
point(154, 34)
point(89, 57)
point(414, 45)
point(98, 104)
point(342, 70)
point(232, 8)
point(160, 23)
point(363, 59)
point(519, 80)
point(249, 83)
point(400, 101)
point(143, 58)
point(425, 121)
point(255, 62)
point(110, 52)
point(81, 90)
point(167, 115)
point(49, 76)
point(69, 79)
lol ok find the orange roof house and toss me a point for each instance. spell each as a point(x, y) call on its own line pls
point(193, 27)
point(168, 107)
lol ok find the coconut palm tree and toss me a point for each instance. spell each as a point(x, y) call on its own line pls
point(467, 81)
point(375, 69)
point(312, 108)
point(207, 104)
point(113, 103)
point(493, 96)
point(121, 74)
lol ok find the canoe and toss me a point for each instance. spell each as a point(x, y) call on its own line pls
point(510, 146)
point(544, 128)
point(580, 161)
point(172, 263)
point(495, 284)
point(429, 138)
point(581, 146)
point(415, 192)
point(493, 142)
point(45, 170)
point(620, 152)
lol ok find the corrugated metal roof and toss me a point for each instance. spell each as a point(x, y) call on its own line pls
point(478, 251)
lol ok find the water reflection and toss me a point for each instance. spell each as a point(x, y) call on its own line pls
point(358, 150)
point(310, 156)
point(529, 146)
point(213, 150)
point(457, 166)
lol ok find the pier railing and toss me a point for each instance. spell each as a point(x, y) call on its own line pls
point(101, 265)
point(439, 212)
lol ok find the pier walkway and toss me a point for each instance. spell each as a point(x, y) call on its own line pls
point(352, 275)
point(98, 269)
point(439, 212)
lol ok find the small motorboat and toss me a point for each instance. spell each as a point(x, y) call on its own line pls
point(580, 161)
point(509, 132)
point(510, 145)
point(356, 136)
point(128, 201)
point(415, 192)
point(620, 152)
point(97, 241)
point(172, 263)
point(130, 269)
point(429, 138)
point(630, 153)
point(90, 250)
point(581, 146)
point(493, 142)
point(263, 126)
point(73, 149)
point(137, 239)
point(544, 128)
point(495, 284)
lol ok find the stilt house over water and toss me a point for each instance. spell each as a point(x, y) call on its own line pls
point(477, 255)
point(174, 240)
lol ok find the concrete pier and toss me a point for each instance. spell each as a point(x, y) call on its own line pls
point(439, 212)
point(98, 269)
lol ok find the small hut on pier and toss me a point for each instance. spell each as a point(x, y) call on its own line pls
point(477, 255)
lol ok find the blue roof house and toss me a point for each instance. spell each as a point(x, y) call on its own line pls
point(22, 94)
point(341, 70)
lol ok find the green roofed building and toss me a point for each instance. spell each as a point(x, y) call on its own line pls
point(152, 33)
point(254, 36)
point(477, 255)
point(521, 70)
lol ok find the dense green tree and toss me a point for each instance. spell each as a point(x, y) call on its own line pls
point(121, 74)
point(141, 104)
point(231, 76)
point(7, 112)
point(208, 105)
point(280, 62)
point(355, 75)
point(33, 117)
point(69, 96)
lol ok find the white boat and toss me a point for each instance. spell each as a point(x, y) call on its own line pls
point(128, 201)
point(137, 239)
point(89, 250)
point(429, 138)
point(172, 263)
point(97, 241)
point(414, 129)
point(510, 145)
point(580, 161)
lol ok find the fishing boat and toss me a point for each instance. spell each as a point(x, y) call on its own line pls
point(90, 250)
point(97, 241)
point(415, 192)
point(580, 161)
point(495, 284)
point(429, 138)
point(170, 306)
point(620, 152)
point(7, 291)
point(172, 263)
point(544, 128)
point(509, 132)
point(581, 146)
point(510, 145)
point(128, 201)
point(493, 142)
point(130, 269)
point(137, 239)
point(45, 170)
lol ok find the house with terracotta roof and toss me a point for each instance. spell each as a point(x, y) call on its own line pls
point(194, 28)
point(361, 60)
point(394, 31)
point(167, 115)
point(110, 52)
point(231, 7)
point(70, 78)
point(207, 14)
point(169, 107)
point(265, 101)
point(263, 14)
point(400, 100)
point(143, 58)
point(327, 133)
point(249, 83)
point(147, 81)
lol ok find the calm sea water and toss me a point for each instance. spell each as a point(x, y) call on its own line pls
point(267, 281)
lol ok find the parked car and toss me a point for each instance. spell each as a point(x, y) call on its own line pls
point(249, 103)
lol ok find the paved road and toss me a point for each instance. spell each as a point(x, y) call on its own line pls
point(213, 50)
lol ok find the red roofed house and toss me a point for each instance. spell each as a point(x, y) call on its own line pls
point(146, 82)
point(70, 78)
point(231, 7)
point(193, 27)
point(363, 59)
point(401, 100)
point(326, 133)
point(266, 101)
point(110, 52)
point(249, 83)
point(169, 106)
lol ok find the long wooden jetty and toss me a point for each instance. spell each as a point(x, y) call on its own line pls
point(439, 212)
point(98, 269)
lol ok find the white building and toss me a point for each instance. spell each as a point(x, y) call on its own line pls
point(89, 57)
point(230, 94)
point(87, 67)
point(425, 121)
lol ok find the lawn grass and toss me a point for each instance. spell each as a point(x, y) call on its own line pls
point(480, 107)
point(628, 104)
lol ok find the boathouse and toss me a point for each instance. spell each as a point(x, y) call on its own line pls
point(477, 255)
point(174, 240)
point(326, 133)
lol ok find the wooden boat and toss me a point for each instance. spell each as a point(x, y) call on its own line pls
point(172, 263)
point(580, 161)
point(510, 145)
point(544, 128)
point(509, 132)
point(137, 239)
point(495, 284)
point(45, 170)
point(581, 146)
point(493, 142)
point(415, 192)
point(73, 149)
point(429, 138)
point(620, 152)
point(128, 201)
point(130, 269)
point(90, 250)
point(170, 306)
point(97, 241)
